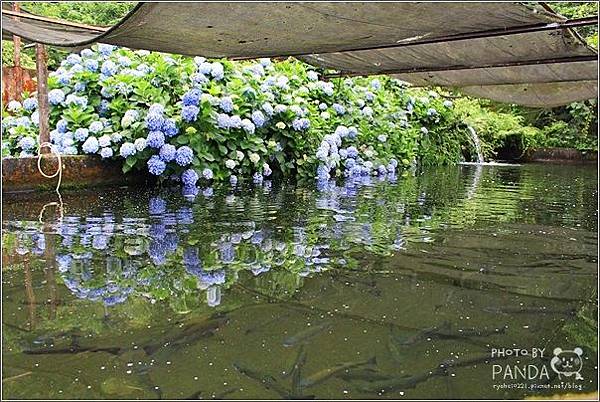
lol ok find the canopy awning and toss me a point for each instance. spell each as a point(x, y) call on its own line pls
point(475, 46)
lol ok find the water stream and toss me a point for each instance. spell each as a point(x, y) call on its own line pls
point(476, 144)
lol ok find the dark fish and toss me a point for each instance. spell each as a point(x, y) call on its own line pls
point(265, 380)
point(188, 335)
point(529, 310)
point(327, 373)
point(422, 335)
point(441, 370)
point(366, 374)
point(468, 333)
point(224, 393)
point(401, 382)
point(71, 350)
point(298, 363)
point(296, 373)
point(306, 334)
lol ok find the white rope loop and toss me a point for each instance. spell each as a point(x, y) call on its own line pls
point(58, 169)
point(58, 173)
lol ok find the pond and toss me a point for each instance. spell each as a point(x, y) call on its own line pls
point(460, 282)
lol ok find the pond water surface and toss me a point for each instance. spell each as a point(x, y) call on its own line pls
point(414, 287)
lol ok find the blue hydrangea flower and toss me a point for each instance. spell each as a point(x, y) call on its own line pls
point(167, 152)
point(257, 178)
point(91, 65)
point(96, 127)
point(79, 87)
point(258, 118)
point(87, 53)
point(352, 152)
point(73, 99)
point(301, 124)
point(35, 118)
point(105, 50)
point(154, 121)
point(27, 143)
point(156, 108)
point(72, 59)
point(268, 109)
point(235, 121)
point(140, 144)
point(207, 174)
point(104, 141)
point(30, 104)
point(169, 127)
point(199, 79)
point(62, 126)
point(382, 138)
point(81, 134)
point(155, 139)
point(127, 149)
point(56, 96)
point(124, 61)
point(191, 97)
point(155, 165)
point(312, 75)
point(184, 156)
point(90, 146)
point(189, 178)
point(189, 113)
point(375, 84)
point(339, 109)
point(216, 71)
point(106, 152)
point(223, 120)
point(14, 106)
point(103, 107)
point(109, 68)
point(226, 104)
point(248, 126)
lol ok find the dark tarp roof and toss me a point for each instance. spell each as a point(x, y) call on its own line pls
point(363, 38)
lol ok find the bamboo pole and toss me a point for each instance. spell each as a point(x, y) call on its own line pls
point(42, 96)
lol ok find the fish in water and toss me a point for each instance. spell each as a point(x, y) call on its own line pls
point(266, 380)
point(220, 395)
point(529, 310)
point(422, 334)
point(72, 350)
point(442, 369)
point(298, 363)
point(365, 374)
point(306, 334)
point(189, 334)
point(329, 372)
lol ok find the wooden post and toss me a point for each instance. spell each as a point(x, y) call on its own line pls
point(17, 59)
point(42, 96)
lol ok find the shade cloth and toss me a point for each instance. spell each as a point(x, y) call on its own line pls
point(360, 38)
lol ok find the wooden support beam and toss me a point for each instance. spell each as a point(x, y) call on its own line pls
point(42, 96)
point(17, 60)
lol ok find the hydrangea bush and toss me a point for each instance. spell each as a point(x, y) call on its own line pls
point(190, 119)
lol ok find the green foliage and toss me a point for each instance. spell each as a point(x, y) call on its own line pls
point(82, 12)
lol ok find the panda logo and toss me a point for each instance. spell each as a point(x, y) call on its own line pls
point(567, 362)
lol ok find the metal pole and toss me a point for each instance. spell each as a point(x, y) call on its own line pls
point(18, 73)
point(42, 96)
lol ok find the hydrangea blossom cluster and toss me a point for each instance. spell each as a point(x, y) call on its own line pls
point(222, 119)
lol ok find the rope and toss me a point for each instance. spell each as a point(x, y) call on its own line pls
point(58, 173)
point(58, 170)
